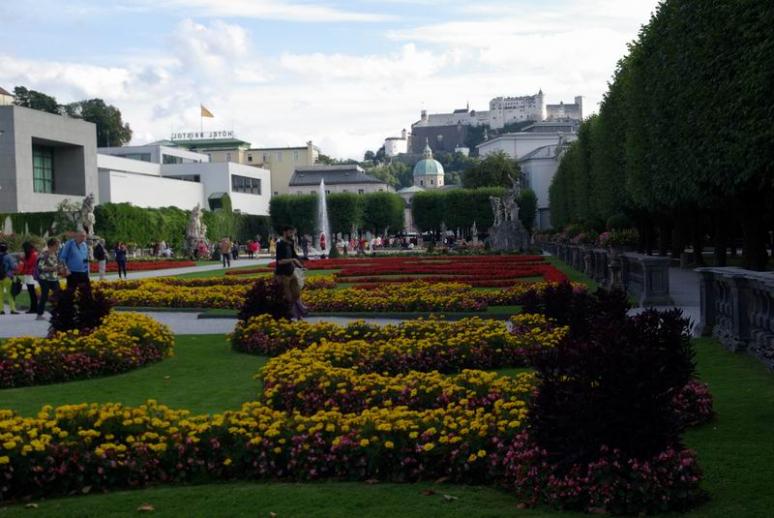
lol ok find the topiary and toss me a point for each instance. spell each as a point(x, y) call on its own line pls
point(265, 297)
point(612, 388)
point(79, 307)
point(618, 221)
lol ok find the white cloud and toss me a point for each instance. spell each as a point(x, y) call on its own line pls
point(405, 64)
point(316, 12)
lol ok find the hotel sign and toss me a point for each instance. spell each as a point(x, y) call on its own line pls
point(202, 135)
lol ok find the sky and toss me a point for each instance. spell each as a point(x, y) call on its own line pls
point(344, 74)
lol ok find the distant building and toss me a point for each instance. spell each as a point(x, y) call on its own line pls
point(44, 160)
point(539, 167)
point(224, 147)
point(282, 162)
point(394, 146)
point(6, 97)
point(428, 172)
point(449, 131)
point(338, 178)
point(563, 111)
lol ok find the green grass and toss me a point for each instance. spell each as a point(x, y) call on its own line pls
point(572, 274)
point(204, 376)
point(320, 500)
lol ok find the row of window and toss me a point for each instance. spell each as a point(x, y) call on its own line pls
point(245, 184)
point(432, 182)
point(267, 156)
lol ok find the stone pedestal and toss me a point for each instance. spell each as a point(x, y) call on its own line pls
point(508, 235)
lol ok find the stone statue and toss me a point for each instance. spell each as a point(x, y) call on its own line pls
point(194, 230)
point(474, 232)
point(87, 219)
point(510, 208)
point(496, 210)
point(515, 185)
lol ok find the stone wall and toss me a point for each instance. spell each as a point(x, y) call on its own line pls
point(737, 307)
point(646, 278)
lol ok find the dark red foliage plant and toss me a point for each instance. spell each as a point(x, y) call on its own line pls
point(265, 297)
point(81, 307)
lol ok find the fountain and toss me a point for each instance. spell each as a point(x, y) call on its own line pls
point(323, 237)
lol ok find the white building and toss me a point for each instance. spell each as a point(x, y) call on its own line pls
point(44, 160)
point(394, 146)
point(538, 149)
point(338, 178)
point(6, 97)
point(160, 176)
point(563, 111)
point(508, 110)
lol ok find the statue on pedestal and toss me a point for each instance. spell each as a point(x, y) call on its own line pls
point(196, 232)
point(86, 219)
point(496, 209)
point(507, 232)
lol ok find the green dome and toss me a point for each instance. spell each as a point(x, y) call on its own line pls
point(428, 166)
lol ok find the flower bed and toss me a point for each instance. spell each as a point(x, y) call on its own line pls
point(122, 342)
point(440, 341)
point(142, 265)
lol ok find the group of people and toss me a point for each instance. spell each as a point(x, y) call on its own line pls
point(46, 268)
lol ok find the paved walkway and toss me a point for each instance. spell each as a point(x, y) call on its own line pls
point(182, 323)
point(685, 292)
point(189, 269)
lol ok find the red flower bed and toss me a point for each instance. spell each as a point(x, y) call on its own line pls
point(142, 266)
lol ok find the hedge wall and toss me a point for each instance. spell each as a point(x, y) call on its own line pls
point(457, 208)
point(375, 212)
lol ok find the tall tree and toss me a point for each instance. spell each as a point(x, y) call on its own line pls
point(111, 129)
point(493, 171)
point(35, 100)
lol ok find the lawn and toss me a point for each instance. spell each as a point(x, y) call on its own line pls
point(203, 376)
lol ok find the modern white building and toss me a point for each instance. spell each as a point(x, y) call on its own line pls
point(44, 160)
point(161, 176)
point(539, 168)
point(338, 178)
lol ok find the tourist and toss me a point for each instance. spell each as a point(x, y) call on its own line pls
point(49, 269)
point(7, 268)
point(322, 243)
point(120, 254)
point(225, 252)
point(29, 262)
point(272, 246)
point(287, 260)
point(75, 255)
point(305, 246)
point(235, 250)
point(100, 255)
point(253, 247)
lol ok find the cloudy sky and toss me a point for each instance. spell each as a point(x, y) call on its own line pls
point(344, 74)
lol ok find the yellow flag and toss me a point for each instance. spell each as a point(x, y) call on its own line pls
point(206, 112)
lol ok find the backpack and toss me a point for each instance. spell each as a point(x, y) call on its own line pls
point(3, 273)
point(99, 252)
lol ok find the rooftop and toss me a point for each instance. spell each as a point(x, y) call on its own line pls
point(549, 151)
point(3, 91)
point(332, 174)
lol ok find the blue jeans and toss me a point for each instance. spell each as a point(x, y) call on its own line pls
point(46, 287)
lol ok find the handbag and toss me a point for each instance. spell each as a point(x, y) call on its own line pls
point(16, 287)
point(298, 273)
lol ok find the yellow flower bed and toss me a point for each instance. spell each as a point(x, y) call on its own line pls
point(357, 409)
point(122, 342)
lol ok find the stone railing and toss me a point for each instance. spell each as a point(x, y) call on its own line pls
point(645, 277)
point(737, 307)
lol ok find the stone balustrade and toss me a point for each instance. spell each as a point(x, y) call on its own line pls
point(737, 307)
point(645, 277)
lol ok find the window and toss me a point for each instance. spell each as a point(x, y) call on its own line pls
point(295, 156)
point(145, 157)
point(432, 182)
point(265, 157)
point(228, 157)
point(171, 159)
point(422, 182)
point(279, 156)
point(249, 158)
point(43, 169)
point(245, 184)
point(360, 191)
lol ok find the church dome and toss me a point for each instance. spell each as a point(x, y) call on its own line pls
point(428, 166)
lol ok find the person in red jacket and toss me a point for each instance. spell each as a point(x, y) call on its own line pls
point(30, 261)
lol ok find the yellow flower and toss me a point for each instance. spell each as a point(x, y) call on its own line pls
point(429, 446)
point(364, 443)
point(389, 445)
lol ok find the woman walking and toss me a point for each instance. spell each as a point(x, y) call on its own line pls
point(49, 269)
point(30, 262)
point(7, 268)
point(100, 254)
point(120, 253)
